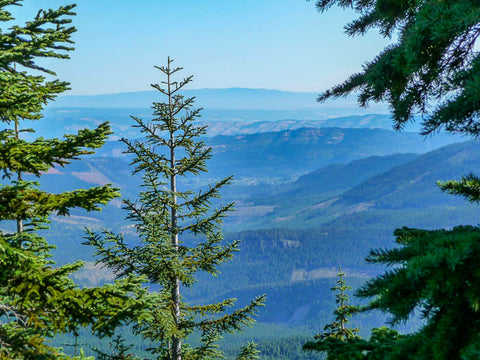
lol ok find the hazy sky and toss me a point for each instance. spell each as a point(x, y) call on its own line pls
point(283, 44)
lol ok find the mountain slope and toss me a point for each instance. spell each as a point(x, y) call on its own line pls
point(285, 155)
point(401, 190)
point(289, 201)
point(294, 152)
point(263, 165)
point(413, 185)
point(345, 176)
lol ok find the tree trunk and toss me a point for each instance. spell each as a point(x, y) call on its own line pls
point(19, 178)
point(176, 342)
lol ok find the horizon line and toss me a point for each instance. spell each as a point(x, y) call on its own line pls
point(190, 89)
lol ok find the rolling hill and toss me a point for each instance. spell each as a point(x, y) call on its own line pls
point(265, 158)
point(406, 188)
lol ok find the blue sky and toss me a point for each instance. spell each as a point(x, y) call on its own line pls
point(283, 44)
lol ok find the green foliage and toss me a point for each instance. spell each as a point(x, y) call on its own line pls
point(46, 36)
point(380, 346)
point(337, 331)
point(435, 272)
point(179, 234)
point(468, 187)
point(37, 298)
point(248, 352)
point(286, 348)
point(432, 68)
point(338, 328)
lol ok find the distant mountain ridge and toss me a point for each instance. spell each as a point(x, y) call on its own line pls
point(370, 121)
point(290, 153)
point(59, 121)
point(229, 98)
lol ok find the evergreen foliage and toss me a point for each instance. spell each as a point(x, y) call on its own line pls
point(468, 186)
point(37, 299)
point(163, 216)
point(338, 328)
point(381, 345)
point(435, 271)
point(431, 70)
point(337, 331)
point(121, 351)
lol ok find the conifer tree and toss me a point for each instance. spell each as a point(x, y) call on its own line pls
point(336, 332)
point(435, 271)
point(339, 342)
point(179, 232)
point(121, 351)
point(37, 299)
point(431, 70)
point(338, 328)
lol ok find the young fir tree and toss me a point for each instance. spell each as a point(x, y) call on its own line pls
point(166, 218)
point(37, 299)
point(338, 328)
point(336, 332)
point(339, 342)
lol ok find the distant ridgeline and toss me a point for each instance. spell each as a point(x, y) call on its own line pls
point(227, 111)
point(229, 98)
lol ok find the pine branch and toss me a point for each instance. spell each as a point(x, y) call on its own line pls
point(36, 203)
point(40, 155)
point(210, 223)
point(468, 187)
point(233, 322)
point(217, 308)
point(112, 252)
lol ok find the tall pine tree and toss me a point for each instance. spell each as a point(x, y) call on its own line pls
point(37, 299)
point(179, 232)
